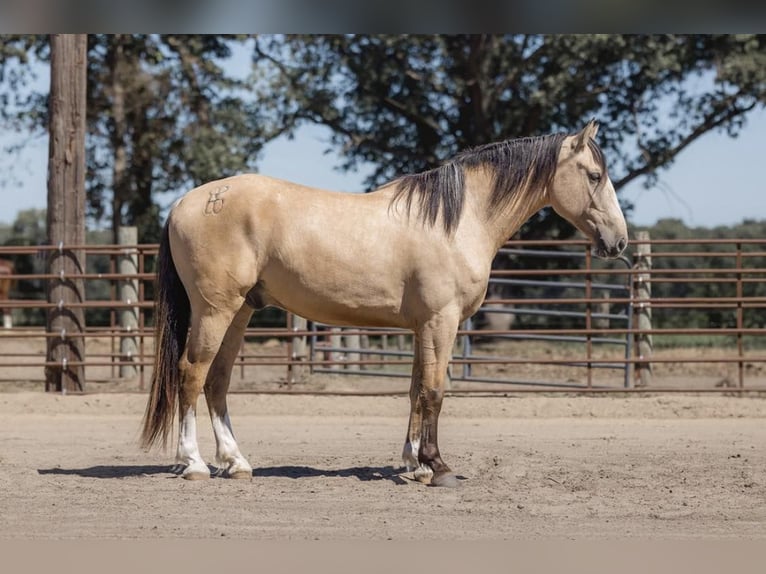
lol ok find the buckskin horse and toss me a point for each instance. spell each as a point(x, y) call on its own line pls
point(414, 254)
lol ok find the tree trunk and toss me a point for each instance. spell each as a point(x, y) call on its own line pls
point(120, 185)
point(66, 212)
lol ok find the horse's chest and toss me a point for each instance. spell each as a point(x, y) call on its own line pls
point(472, 303)
point(471, 293)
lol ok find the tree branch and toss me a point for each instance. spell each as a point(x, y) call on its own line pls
point(189, 64)
point(710, 122)
point(411, 115)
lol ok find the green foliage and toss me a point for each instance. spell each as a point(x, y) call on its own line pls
point(164, 114)
point(28, 229)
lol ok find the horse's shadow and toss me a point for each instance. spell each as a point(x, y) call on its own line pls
point(109, 471)
point(362, 473)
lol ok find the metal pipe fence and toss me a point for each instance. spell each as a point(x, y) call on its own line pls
point(568, 322)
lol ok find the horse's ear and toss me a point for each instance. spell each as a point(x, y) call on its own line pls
point(587, 133)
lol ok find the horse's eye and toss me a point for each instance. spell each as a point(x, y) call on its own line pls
point(594, 176)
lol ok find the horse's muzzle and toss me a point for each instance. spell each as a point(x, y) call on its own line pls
point(605, 250)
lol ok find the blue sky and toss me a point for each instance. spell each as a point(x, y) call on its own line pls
point(716, 181)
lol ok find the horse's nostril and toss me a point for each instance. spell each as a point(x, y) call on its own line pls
point(621, 245)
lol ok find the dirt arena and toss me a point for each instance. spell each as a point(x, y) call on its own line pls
point(328, 468)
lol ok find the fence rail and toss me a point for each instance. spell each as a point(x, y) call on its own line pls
point(568, 322)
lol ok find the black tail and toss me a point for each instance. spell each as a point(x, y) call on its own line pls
point(171, 319)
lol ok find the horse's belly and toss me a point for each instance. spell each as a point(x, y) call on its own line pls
point(352, 303)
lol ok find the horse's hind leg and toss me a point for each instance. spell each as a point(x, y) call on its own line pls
point(228, 455)
point(208, 328)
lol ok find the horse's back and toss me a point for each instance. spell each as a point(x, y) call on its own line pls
point(242, 200)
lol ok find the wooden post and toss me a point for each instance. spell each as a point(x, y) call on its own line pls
point(336, 342)
point(66, 212)
point(740, 320)
point(589, 316)
point(354, 343)
point(296, 371)
point(364, 341)
point(6, 284)
point(643, 310)
point(128, 294)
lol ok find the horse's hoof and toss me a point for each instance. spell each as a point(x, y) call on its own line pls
point(423, 473)
point(445, 479)
point(196, 471)
point(196, 475)
point(240, 474)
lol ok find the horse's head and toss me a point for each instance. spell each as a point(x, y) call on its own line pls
point(582, 193)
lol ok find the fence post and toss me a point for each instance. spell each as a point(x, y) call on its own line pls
point(296, 371)
point(643, 309)
point(6, 284)
point(589, 316)
point(65, 355)
point(127, 294)
point(354, 344)
point(336, 342)
point(740, 320)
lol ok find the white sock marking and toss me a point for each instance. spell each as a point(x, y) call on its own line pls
point(227, 450)
point(188, 450)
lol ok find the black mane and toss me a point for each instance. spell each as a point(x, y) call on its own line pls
point(514, 164)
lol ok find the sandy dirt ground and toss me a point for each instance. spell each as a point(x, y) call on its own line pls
point(328, 468)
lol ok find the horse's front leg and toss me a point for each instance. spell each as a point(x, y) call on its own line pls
point(412, 442)
point(434, 341)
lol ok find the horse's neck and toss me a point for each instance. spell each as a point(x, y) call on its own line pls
point(502, 223)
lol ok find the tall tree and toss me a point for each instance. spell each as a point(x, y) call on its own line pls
point(164, 113)
point(407, 103)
